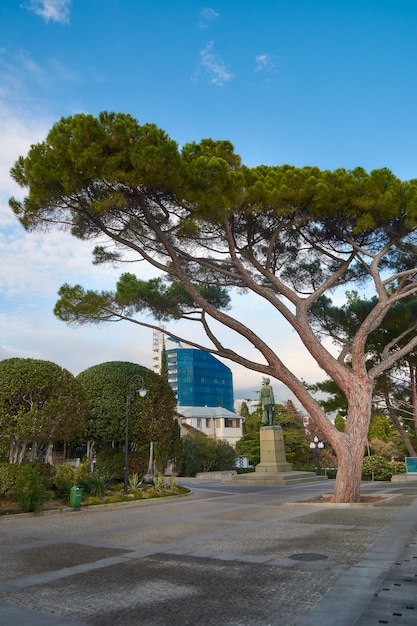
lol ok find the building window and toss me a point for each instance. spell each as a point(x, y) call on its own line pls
point(198, 423)
point(230, 422)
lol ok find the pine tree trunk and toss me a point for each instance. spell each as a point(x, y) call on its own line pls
point(349, 474)
point(351, 445)
point(413, 393)
point(405, 438)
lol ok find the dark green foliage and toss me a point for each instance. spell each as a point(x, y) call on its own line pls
point(297, 448)
point(8, 474)
point(195, 455)
point(40, 403)
point(46, 471)
point(111, 462)
point(96, 485)
point(203, 454)
point(331, 473)
point(224, 456)
point(163, 301)
point(108, 386)
point(340, 423)
point(334, 399)
point(169, 450)
point(30, 490)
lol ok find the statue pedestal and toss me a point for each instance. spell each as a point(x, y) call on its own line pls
point(273, 468)
point(272, 451)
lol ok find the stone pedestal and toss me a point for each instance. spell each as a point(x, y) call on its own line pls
point(272, 451)
point(273, 468)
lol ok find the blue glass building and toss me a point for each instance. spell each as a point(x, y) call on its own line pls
point(199, 379)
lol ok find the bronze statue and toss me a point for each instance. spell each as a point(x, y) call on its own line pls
point(267, 400)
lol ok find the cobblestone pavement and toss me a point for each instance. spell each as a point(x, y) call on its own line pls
point(232, 555)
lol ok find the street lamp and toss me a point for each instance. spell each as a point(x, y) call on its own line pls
point(317, 446)
point(134, 383)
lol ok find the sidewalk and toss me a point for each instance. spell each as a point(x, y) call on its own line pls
point(223, 556)
point(381, 588)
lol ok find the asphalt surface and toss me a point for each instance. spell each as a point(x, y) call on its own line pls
point(232, 555)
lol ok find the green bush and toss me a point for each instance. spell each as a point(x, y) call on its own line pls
point(7, 478)
point(195, 455)
point(30, 491)
point(203, 454)
point(96, 485)
point(64, 479)
point(398, 467)
point(82, 473)
point(111, 463)
point(376, 468)
point(224, 456)
point(46, 470)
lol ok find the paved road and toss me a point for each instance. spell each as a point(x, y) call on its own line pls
point(226, 555)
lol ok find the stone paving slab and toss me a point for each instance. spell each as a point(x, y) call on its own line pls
point(32, 561)
point(177, 589)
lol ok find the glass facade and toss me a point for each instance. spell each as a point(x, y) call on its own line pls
point(199, 379)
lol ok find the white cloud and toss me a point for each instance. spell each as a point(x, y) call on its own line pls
point(209, 14)
point(264, 62)
point(17, 133)
point(214, 66)
point(54, 10)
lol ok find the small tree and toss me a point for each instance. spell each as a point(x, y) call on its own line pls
point(197, 454)
point(204, 454)
point(225, 456)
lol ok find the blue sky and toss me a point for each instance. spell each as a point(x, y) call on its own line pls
point(305, 82)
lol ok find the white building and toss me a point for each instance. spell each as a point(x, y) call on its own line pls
point(216, 422)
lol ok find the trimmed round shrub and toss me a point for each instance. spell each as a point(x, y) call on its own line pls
point(376, 468)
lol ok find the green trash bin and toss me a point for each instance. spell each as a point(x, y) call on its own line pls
point(75, 496)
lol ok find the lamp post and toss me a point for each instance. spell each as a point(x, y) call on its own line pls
point(134, 383)
point(317, 446)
